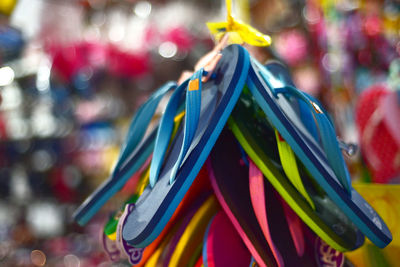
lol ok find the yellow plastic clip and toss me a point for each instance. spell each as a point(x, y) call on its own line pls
point(239, 32)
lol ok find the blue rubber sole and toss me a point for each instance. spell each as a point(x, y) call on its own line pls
point(141, 233)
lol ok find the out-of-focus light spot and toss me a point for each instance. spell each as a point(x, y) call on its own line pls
point(45, 219)
point(372, 26)
point(6, 76)
point(307, 79)
point(116, 33)
point(64, 127)
point(12, 97)
point(167, 49)
point(19, 185)
point(349, 5)
point(311, 15)
point(81, 80)
point(292, 46)
point(38, 258)
point(72, 176)
point(42, 160)
point(142, 9)
point(331, 62)
point(23, 146)
point(43, 123)
point(43, 76)
point(7, 216)
point(17, 127)
point(71, 260)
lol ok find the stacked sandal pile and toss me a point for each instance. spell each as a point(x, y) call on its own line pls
point(242, 169)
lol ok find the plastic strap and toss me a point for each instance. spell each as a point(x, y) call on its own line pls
point(141, 121)
point(164, 133)
point(289, 165)
point(193, 108)
point(326, 133)
point(308, 118)
point(161, 152)
point(324, 126)
point(257, 196)
point(295, 227)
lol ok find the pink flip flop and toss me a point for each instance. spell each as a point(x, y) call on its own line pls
point(229, 179)
point(223, 245)
point(377, 117)
point(281, 226)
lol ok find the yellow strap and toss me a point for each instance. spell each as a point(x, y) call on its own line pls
point(144, 181)
point(194, 233)
point(239, 32)
point(289, 165)
point(178, 118)
point(156, 256)
point(152, 261)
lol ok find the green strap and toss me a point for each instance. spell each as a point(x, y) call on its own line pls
point(289, 165)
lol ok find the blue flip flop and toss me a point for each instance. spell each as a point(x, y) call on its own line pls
point(134, 152)
point(315, 144)
point(208, 107)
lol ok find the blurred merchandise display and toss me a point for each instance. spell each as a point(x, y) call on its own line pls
point(74, 73)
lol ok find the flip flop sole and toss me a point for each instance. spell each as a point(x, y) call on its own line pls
point(219, 96)
point(286, 121)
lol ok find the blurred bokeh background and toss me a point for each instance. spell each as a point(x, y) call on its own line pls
point(72, 73)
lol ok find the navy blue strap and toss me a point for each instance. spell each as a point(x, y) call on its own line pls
point(193, 108)
point(141, 121)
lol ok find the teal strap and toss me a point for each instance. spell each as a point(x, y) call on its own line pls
point(193, 108)
point(307, 116)
point(164, 133)
point(326, 133)
point(308, 120)
point(141, 121)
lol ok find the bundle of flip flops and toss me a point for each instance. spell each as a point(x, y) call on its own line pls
point(242, 169)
